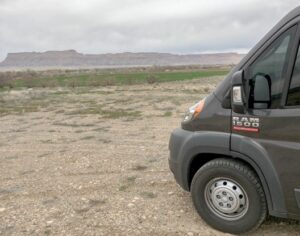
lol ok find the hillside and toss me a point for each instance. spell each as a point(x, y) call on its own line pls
point(71, 58)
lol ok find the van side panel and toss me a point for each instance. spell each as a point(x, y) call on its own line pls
point(277, 162)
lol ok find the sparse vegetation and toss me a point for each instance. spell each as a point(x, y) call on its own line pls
point(131, 179)
point(139, 167)
point(108, 114)
point(73, 125)
point(18, 109)
point(88, 137)
point(206, 89)
point(123, 187)
point(148, 195)
point(167, 114)
point(96, 202)
point(96, 172)
point(128, 183)
point(95, 78)
point(151, 79)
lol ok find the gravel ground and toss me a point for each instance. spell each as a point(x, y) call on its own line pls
point(93, 161)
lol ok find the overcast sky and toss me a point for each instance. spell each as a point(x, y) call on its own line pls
point(101, 26)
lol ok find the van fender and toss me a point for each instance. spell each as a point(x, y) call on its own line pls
point(186, 145)
point(252, 152)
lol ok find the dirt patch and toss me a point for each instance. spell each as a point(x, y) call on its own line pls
point(68, 168)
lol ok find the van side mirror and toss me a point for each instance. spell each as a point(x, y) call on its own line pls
point(237, 93)
point(260, 92)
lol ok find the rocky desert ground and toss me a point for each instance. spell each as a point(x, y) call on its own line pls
point(93, 161)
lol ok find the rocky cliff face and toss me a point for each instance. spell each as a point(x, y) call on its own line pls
point(71, 58)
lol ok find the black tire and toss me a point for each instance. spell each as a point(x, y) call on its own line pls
point(241, 185)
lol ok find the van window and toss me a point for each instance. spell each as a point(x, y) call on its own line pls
point(273, 63)
point(294, 91)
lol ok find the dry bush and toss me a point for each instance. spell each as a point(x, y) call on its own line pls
point(2, 80)
point(71, 83)
point(5, 78)
point(108, 82)
point(95, 83)
point(206, 89)
point(48, 83)
point(151, 79)
point(28, 83)
point(130, 81)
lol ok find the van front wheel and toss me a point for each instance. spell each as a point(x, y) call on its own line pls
point(228, 195)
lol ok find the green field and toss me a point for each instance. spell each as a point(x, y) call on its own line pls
point(31, 79)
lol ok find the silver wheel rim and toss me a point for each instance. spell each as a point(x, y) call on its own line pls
point(226, 198)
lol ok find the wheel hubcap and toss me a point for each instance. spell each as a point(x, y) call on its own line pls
point(226, 198)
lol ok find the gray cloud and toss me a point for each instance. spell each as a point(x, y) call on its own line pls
point(100, 26)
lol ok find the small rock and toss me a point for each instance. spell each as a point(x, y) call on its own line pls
point(49, 222)
point(2, 209)
point(190, 234)
point(130, 205)
point(170, 193)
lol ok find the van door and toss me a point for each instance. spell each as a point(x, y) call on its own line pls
point(275, 128)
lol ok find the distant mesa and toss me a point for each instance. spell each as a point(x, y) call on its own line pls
point(71, 58)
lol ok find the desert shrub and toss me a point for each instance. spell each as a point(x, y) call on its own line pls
point(71, 83)
point(26, 75)
point(206, 89)
point(110, 81)
point(44, 83)
point(29, 83)
point(32, 73)
point(5, 79)
point(2, 80)
point(10, 85)
point(151, 79)
point(129, 81)
point(95, 83)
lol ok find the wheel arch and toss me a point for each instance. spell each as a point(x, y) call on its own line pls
point(202, 158)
